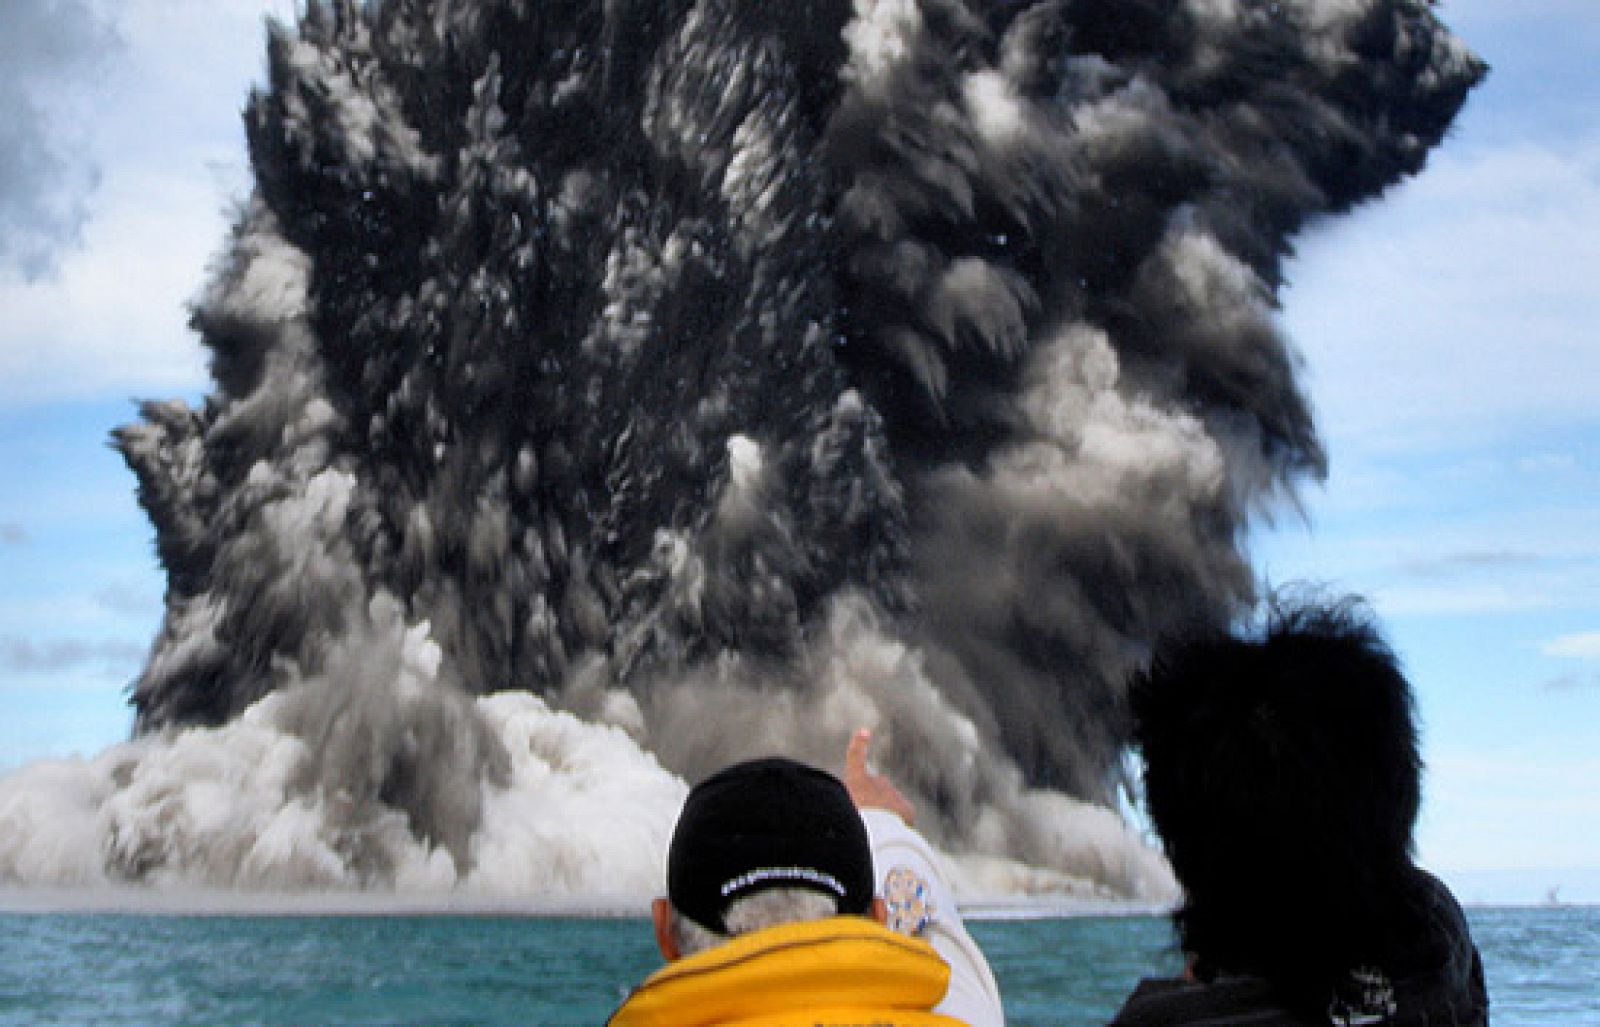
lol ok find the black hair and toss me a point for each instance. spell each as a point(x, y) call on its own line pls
point(1282, 772)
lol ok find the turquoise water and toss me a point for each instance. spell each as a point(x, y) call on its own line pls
point(1543, 964)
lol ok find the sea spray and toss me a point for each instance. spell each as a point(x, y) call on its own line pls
point(317, 787)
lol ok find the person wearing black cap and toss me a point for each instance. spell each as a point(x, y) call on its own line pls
point(771, 913)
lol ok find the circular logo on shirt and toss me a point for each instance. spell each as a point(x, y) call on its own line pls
point(910, 905)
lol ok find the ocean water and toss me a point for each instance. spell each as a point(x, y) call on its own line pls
point(83, 968)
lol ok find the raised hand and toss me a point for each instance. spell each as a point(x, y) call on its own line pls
point(868, 789)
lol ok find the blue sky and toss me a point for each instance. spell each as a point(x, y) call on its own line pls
point(1448, 333)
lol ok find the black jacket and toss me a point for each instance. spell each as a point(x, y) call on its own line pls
point(1435, 979)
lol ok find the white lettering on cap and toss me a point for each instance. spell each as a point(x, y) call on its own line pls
point(806, 874)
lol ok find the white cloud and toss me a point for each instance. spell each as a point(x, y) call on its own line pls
point(50, 54)
point(112, 321)
point(41, 610)
point(1461, 13)
point(168, 138)
point(1518, 806)
point(1466, 298)
point(1454, 563)
point(130, 596)
point(1550, 464)
point(1493, 597)
point(110, 657)
point(1573, 682)
point(1432, 582)
point(1581, 646)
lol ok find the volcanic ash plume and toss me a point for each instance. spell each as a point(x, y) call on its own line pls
point(607, 391)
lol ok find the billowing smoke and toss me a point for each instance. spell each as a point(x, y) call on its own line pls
point(728, 374)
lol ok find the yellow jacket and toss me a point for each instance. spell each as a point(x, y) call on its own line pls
point(846, 970)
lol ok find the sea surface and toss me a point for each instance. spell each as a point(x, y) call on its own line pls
point(95, 968)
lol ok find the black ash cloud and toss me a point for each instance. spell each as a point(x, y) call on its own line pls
point(632, 342)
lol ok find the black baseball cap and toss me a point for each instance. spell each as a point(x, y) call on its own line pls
point(767, 823)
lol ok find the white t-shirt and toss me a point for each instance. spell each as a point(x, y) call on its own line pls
point(921, 904)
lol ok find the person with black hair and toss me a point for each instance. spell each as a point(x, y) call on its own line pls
point(771, 913)
point(1282, 772)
